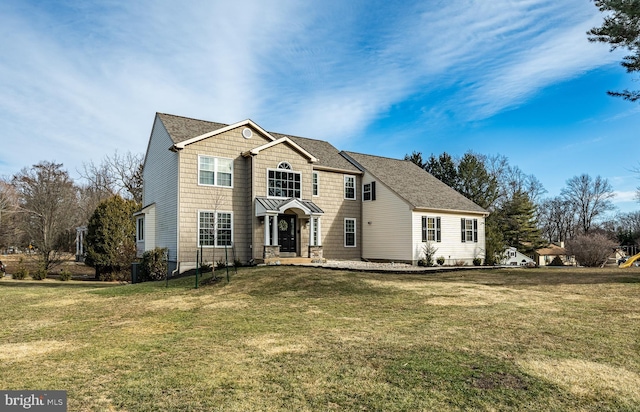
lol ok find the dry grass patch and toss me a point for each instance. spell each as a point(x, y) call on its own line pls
point(289, 338)
point(275, 345)
point(13, 352)
point(586, 378)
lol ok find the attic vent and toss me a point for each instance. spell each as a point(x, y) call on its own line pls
point(247, 133)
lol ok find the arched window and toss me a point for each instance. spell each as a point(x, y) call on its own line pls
point(283, 182)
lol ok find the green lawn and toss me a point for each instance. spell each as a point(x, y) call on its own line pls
point(291, 338)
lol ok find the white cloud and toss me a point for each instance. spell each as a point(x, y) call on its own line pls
point(625, 196)
point(80, 81)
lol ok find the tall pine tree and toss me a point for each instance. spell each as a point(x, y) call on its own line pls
point(519, 225)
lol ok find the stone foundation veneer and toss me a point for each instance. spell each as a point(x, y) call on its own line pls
point(316, 254)
point(271, 252)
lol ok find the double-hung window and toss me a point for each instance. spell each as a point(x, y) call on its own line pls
point(369, 191)
point(350, 187)
point(469, 230)
point(282, 182)
point(431, 229)
point(349, 232)
point(215, 171)
point(215, 229)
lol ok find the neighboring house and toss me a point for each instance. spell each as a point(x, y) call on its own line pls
point(513, 257)
point(265, 197)
point(544, 256)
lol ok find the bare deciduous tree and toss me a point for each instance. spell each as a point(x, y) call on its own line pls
point(590, 197)
point(8, 208)
point(117, 174)
point(557, 219)
point(48, 206)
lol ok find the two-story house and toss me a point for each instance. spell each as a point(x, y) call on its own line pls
point(266, 197)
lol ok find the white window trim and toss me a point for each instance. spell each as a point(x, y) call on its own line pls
point(317, 184)
point(282, 170)
point(437, 229)
point(138, 230)
point(364, 185)
point(215, 226)
point(344, 189)
point(473, 231)
point(215, 173)
point(355, 232)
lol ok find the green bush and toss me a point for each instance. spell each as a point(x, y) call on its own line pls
point(21, 272)
point(477, 261)
point(440, 260)
point(429, 251)
point(111, 238)
point(154, 264)
point(40, 273)
point(65, 275)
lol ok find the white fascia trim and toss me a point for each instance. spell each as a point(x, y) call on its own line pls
point(294, 203)
point(247, 122)
point(285, 139)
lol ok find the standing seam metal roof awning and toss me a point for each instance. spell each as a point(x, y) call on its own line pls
point(266, 205)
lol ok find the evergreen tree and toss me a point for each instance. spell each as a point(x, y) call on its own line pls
point(621, 28)
point(475, 182)
point(519, 224)
point(416, 158)
point(495, 244)
point(111, 243)
point(443, 168)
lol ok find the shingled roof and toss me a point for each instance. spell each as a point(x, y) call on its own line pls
point(184, 128)
point(181, 129)
point(418, 187)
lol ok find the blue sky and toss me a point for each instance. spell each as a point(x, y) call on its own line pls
point(80, 80)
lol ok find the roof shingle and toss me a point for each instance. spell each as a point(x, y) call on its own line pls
point(418, 187)
point(181, 129)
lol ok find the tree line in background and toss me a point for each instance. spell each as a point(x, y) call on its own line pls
point(41, 207)
point(521, 217)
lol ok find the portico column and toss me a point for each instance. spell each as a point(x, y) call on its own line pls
point(267, 218)
point(275, 231)
point(311, 219)
point(319, 232)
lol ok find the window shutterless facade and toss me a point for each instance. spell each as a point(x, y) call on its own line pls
point(215, 229)
point(215, 171)
point(350, 187)
point(315, 231)
point(316, 184)
point(283, 183)
point(140, 229)
point(349, 232)
point(469, 230)
point(431, 229)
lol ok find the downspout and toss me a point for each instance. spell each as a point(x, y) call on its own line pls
point(252, 206)
point(177, 269)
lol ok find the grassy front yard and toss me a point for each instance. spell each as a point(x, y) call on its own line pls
point(284, 338)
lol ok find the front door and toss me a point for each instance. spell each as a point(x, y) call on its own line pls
point(287, 233)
